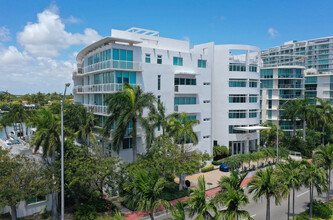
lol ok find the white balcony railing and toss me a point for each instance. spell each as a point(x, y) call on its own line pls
point(113, 64)
point(100, 88)
point(98, 109)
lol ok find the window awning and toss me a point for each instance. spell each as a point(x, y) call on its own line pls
point(251, 128)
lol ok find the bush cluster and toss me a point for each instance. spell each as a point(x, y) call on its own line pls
point(209, 168)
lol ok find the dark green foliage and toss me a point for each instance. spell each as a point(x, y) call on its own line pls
point(171, 192)
point(220, 152)
point(298, 145)
point(321, 210)
point(85, 212)
point(5, 107)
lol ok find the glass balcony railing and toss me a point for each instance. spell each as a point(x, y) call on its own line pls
point(100, 88)
point(113, 64)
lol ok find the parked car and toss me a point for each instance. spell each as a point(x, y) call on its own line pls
point(224, 168)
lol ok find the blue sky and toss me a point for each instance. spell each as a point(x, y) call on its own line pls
point(39, 39)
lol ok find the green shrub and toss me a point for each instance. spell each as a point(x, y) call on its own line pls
point(170, 177)
point(218, 162)
point(85, 212)
point(171, 192)
point(209, 168)
point(321, 210)
point(220, 152)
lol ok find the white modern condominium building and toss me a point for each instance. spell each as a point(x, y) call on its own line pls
point(207, 82)
point(317, 54)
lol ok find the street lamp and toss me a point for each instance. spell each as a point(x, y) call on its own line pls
point(62, 155)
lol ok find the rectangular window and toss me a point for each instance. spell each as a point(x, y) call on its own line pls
point(159, 98)
point(235, 98)
point(253, 68)
point(202, 63)
point(206, 119)
point(185, 100)
point(127, 143)
point(177, 61)
point(206, 83)
point(237, 83)
point(185, 81)
point(265, 84)
point(132, 78)
point(206, 101)
point(159, 59)
point(237, 114)
point(253, 98)
point(269, 114)
point(237, 67)
point(37, 199)
point(253, 113)
point(270, 94)
point(159, 82)
point(233, 131)
point(266, 74)
point(147, 59)
point(253, 83)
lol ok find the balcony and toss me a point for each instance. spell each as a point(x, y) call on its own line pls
point(194, 108)
point(290, 86)
point(186, 89)
point(113, 64)
point(98, 109)
point(100, 88)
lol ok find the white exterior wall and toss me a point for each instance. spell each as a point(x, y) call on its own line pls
point(211, 89)
point(221, 92)
point(25, 210)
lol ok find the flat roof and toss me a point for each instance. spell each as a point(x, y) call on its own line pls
point(103, 42)
point(251, 128)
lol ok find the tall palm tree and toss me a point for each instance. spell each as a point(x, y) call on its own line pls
point(325, 116)
point(18, 114)
point(324, 158)
point(290, 175)
point(178, 212)
point(47, 136)
point(85, 131)
point(234, 180)
point(313, 177)
point(265, 183)
point(234, 200)
point(4, 123)
point(181, 129)
point(232, 195)
point(198, 205)
point(300, 108)
point(127, 107)
point(144, 192)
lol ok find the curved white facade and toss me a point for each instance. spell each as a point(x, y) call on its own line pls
point(195, 81)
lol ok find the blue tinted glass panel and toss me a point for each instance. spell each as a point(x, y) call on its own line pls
point(132, 78)
point(119, 77)
point(116, 54)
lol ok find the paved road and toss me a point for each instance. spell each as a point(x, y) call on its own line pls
point(258, 209)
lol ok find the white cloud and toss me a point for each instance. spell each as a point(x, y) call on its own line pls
point(4, 34)
point(22, 73)
point(71, 20)
point(48, 36)
point(272, 32)
point(37, 67)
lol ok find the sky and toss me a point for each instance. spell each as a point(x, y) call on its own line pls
point(39, 39)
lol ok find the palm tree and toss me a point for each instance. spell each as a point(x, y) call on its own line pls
point(324, 158)
point(118, 216)
point(181, 129)
point(178, 212)
point(265, 183)
point(232, 195)
point(313, 177)
point(18, 114)
point(126, 107)
point(234, 180)
point(233, 199)
point(302, 109)
point(47, 136)
point(325, 116)
point(144, 192)
point(4, 122)
point(85, 131)
point(290, 175)
point(198, 205)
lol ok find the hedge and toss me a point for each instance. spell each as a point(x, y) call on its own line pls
point(209, 168)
